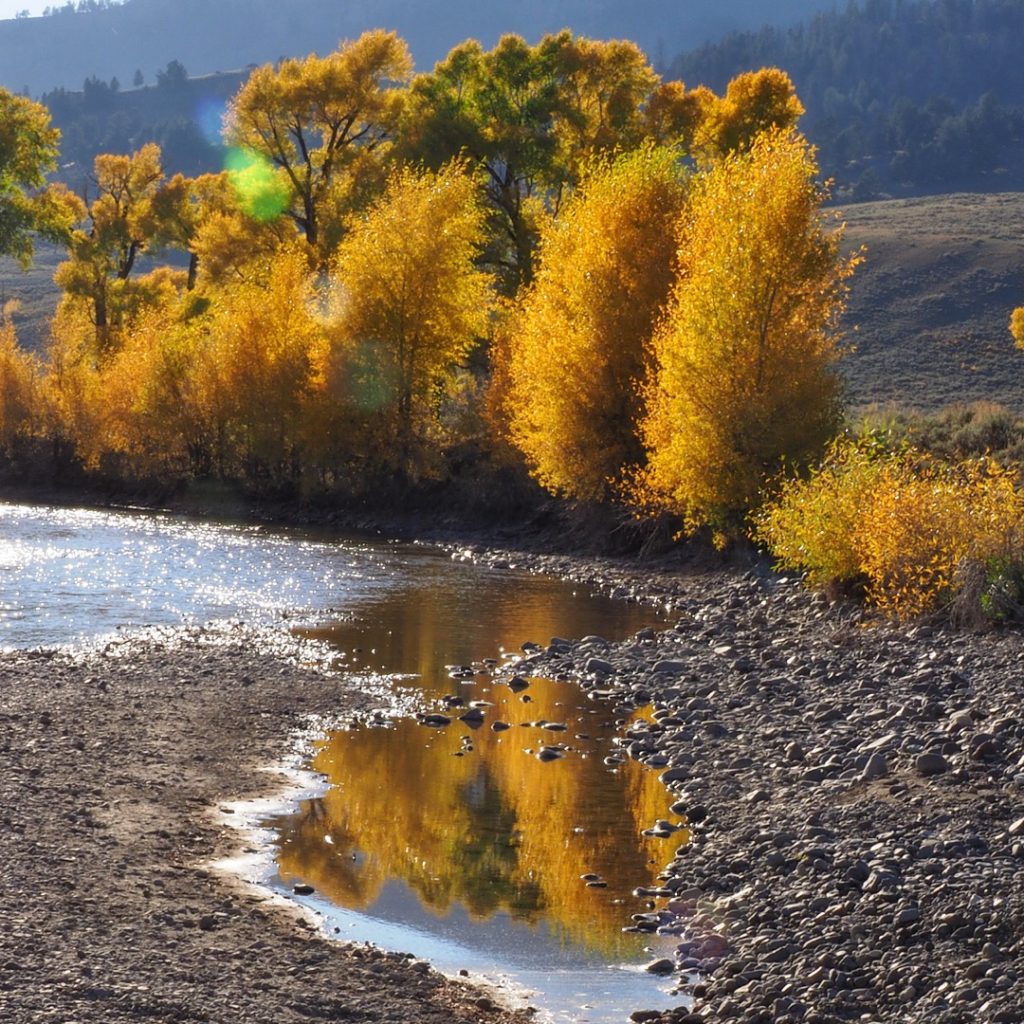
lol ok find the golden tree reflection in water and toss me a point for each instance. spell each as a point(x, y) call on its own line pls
point(491, 828)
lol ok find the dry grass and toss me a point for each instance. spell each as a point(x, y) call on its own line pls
point(933, 300)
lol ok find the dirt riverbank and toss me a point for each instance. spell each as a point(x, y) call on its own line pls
point(856, 790)
point(112, 768)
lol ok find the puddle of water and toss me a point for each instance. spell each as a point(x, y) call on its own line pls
point(469, 857)
point(458, 844)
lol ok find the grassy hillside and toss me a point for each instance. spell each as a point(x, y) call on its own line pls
point(931, 302)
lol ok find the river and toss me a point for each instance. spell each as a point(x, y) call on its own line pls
point(456, 844)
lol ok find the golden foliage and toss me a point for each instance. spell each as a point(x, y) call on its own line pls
point(577, 347)
point(146, 401)
point(313, 117)
point(811, 524)
point(603, 88)
point(744, 378)
point(252, 374)
point(20, 389)
point(412, 304)
point(1017, 326)
point(904, 523)
point(103, 253)
point(674, 115)
point(754, 102)
point(231, 248)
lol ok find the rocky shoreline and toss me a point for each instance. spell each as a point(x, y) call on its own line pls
point(854, 790)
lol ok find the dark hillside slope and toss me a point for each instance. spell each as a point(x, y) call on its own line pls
point(208, 35)
point(902, 96)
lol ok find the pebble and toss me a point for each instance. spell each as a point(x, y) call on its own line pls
point(876, 768)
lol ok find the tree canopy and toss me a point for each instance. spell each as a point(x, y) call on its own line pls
point(312, 118)
point(28, 150)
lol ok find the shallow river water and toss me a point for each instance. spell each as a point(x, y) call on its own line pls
point(455, 844)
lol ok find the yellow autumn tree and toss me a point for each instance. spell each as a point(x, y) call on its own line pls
point(577, 347)
point(20, 389)
point(104, 251)
point(412, 305)
point(1017, 326)
point(754, 102)
point(251, 373)
point(744, 380)
point(315, 120)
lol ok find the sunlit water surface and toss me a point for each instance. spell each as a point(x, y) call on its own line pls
point(456, 844)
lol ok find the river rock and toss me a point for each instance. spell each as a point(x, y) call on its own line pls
point(660, 966)
point(434, 721)
point(876, 768)
point(670, 666)
point(550, 753)
point(930, 764)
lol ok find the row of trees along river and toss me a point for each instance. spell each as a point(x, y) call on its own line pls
point(539, 254)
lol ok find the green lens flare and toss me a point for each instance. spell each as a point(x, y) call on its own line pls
point(259, 191)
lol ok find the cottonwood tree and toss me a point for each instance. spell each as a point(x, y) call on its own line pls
point(117, 227)
point(314, 118)
point(754, 102)
point(577, 349)
point(745, 378)
point(28, 150)
point(528, 115)
point(413, 304)
point(180, 207)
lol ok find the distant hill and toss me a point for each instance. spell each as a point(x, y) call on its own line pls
point(902, 96)
point(65, 48)
point(183, 115)
point(932, 301)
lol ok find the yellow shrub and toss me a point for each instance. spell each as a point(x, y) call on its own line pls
point(812, 523)
point(20, 396)
point(1017, 326)
point(907, 524)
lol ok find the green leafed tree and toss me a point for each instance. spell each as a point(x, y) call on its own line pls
point(28, 150)
point(528, 115)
